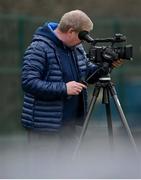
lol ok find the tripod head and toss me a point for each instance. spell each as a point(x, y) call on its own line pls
point(105, 78)
point(103, 73)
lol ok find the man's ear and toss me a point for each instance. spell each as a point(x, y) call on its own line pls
point(70, 30)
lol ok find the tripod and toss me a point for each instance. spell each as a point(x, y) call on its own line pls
point(108, 89)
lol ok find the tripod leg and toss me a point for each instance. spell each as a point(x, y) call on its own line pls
point(122, 116)
point(84, 128)
point(106, 101)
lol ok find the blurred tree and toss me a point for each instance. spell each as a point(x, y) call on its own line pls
point(55, 8)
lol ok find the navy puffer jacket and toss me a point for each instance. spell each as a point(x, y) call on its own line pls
point(42, 80)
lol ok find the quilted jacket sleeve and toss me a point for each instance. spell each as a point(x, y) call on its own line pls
point(34, 66)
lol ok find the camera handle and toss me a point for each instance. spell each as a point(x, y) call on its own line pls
point(108, 89)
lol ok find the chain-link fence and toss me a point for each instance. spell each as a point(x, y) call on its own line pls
point(15, 35)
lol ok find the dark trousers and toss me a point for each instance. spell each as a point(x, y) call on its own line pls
point(56, 145)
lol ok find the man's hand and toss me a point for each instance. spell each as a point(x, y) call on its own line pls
point(117, 63)
point(74, 88)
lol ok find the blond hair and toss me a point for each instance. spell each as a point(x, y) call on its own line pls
point(75, 19)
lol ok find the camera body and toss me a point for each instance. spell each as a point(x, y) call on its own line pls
point(100, 54)
point(109, 53)
point(112, 52)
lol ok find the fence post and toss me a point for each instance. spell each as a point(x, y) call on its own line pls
point(120, 75)
point(21, 35)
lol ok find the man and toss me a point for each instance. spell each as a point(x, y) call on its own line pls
point(53, 66)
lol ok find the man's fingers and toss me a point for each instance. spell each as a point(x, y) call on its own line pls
point(79, 89)
point(81, 85)
point(118, 63)
point(74, 88)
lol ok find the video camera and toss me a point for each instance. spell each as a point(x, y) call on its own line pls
point(110, 53)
